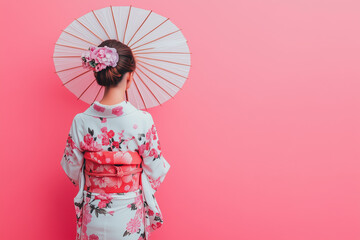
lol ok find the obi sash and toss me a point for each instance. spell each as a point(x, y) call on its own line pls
point(112, 172)
point(152, 213)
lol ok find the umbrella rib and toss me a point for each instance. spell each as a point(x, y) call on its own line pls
point(78, 37)
point(70, 46)
point(159, 76)
point(157, 39)
point(86, 89)
point(65, 56)
point(148, 88)
point(163, 69)
point(76, 77)
point(143, 49)
point(112, 13)
point(126, 95)
point(155, 83)
point(100, 24)
point(165, 52)
point(161, 60)
point(97, 93)
point(89, 30)
point(67, 69)
point(127, 21)
point(149, 32)
point(139, 27)
point(139, 93)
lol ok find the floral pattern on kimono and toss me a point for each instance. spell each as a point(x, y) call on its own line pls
point(95, 130)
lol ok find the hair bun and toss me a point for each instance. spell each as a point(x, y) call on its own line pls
point(111, 76)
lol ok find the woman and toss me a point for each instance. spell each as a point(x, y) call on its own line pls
point(113, 155)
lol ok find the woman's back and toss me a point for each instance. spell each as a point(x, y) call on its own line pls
point(129, 209)
point(118, 127)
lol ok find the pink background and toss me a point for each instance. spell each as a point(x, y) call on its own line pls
point(263, 139)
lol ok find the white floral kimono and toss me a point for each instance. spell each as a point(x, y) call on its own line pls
point(109, 216)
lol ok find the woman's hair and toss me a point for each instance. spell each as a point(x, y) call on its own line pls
point(111, 76)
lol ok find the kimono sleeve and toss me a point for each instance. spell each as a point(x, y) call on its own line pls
point(72, 159)
point(154, 164)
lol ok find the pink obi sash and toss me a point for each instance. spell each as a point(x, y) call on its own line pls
point(112, 172)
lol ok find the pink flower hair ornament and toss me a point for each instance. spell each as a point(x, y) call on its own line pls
point(98, 58)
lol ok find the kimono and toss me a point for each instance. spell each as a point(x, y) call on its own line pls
point(113, 128)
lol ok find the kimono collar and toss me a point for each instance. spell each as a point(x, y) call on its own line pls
point(109, 111)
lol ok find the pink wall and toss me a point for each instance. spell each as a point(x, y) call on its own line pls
point(263, 139)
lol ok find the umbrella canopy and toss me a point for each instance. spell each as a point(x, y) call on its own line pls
point(161, 53)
